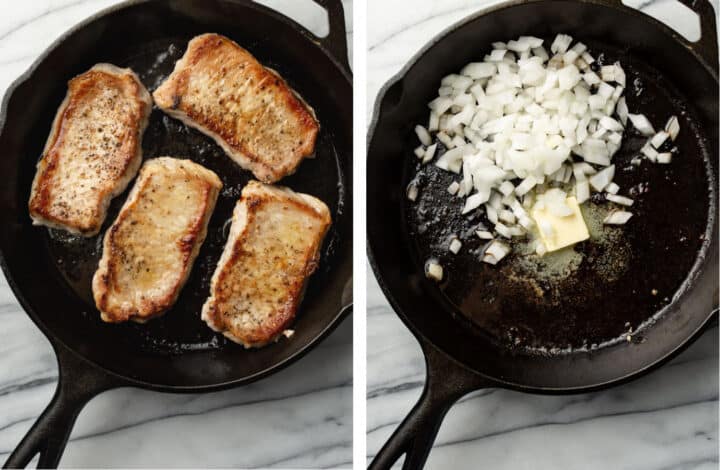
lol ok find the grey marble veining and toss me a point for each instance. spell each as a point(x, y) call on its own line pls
point(299, 418)
point(665, 420)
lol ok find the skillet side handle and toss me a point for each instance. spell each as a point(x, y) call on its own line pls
point(447, 381)
point(336, 40)
point(78, 382)
point(707, 46)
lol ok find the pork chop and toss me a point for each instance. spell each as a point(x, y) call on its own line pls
point(220, 89)
point(93, 151)
point(272, 249)
point(149, 250)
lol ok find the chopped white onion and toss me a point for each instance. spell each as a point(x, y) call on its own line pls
point(659, 139)
point(455, 245)
point(453, 188)
point(412, 192)
point(582, 191)
point(617, 218)
point(484, 235)
point(622, 200)
point(664, 158)
point(433, 270)
point(420, 151)
point(612, 188)
point(495, 251)
point(423, 135)
point(429, 153)
point(673, 127)
point(602, 178)
point(642, 124)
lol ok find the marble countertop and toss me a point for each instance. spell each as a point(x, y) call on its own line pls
point(665, 420)
point(300, 417)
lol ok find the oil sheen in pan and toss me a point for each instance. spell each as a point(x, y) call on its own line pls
point(600, 291)
point(181, 329)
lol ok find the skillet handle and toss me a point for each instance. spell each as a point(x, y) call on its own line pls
point(78, 382)
point(336, 40)
point(707, 46)
point(447, 381)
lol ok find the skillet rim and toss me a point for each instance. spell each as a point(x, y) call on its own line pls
point(92, 364)
point(695, 272)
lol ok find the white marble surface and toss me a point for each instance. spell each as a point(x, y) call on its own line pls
point(298, 418)
point(666, 420)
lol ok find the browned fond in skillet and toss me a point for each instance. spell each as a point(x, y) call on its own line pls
point(220, 89)
point(93, 151)
point(272, 249)
point(149, 250)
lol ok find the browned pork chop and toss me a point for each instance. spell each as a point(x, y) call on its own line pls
point(149, 250)
point(272, 249)
point(93, 151)
point(220, 89)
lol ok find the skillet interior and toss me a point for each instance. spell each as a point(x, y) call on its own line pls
point(53, 270)
point(459, 317)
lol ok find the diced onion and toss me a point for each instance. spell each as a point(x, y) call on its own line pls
point(484, 235)
point(622, 200)
point(429, 153)
point(612, 188)
point(412, 192)
point(664, 158)
point(495, 251)
point(455, 245)
point(453, 188)
point(673, 127)
point(602, 178)
point(617, 218)
point(659, 139)
point(433, 270)
point(642, 124)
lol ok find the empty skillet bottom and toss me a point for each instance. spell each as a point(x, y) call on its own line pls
point(602, 290)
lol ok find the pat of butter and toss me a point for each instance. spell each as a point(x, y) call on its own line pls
point(566, 231)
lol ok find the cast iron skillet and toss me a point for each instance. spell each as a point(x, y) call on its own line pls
point(50, 272)
point(477, 328)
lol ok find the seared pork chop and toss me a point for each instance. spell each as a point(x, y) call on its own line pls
point(220, 89)
point(149, 250)
point(93, 151)
point(272, 249)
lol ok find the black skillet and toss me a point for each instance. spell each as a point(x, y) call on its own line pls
point(50, 272)
point(482, 326)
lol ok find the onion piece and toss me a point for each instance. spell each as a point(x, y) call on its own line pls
point(622, 110)
point(423, 135)
point(649, 152)
point(526, 185)
point(622, 200)
point(659, 139)
point(673, 127)
point(484, 235)
point(582, 191)
point(412, 191)
point(495, 251)
point(503, 230)
point(602, 178)
point(617, 218)
point(612, 188)
point(429, 153)
point(642, 124)
point(419, 151)
point(455, 245)
point(433, 270)
point(664, 158)
point(453, 188)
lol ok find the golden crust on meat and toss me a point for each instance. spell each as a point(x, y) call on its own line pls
point(272, 249)
point(93, 151)
point(221, 89)
point(149, 250)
